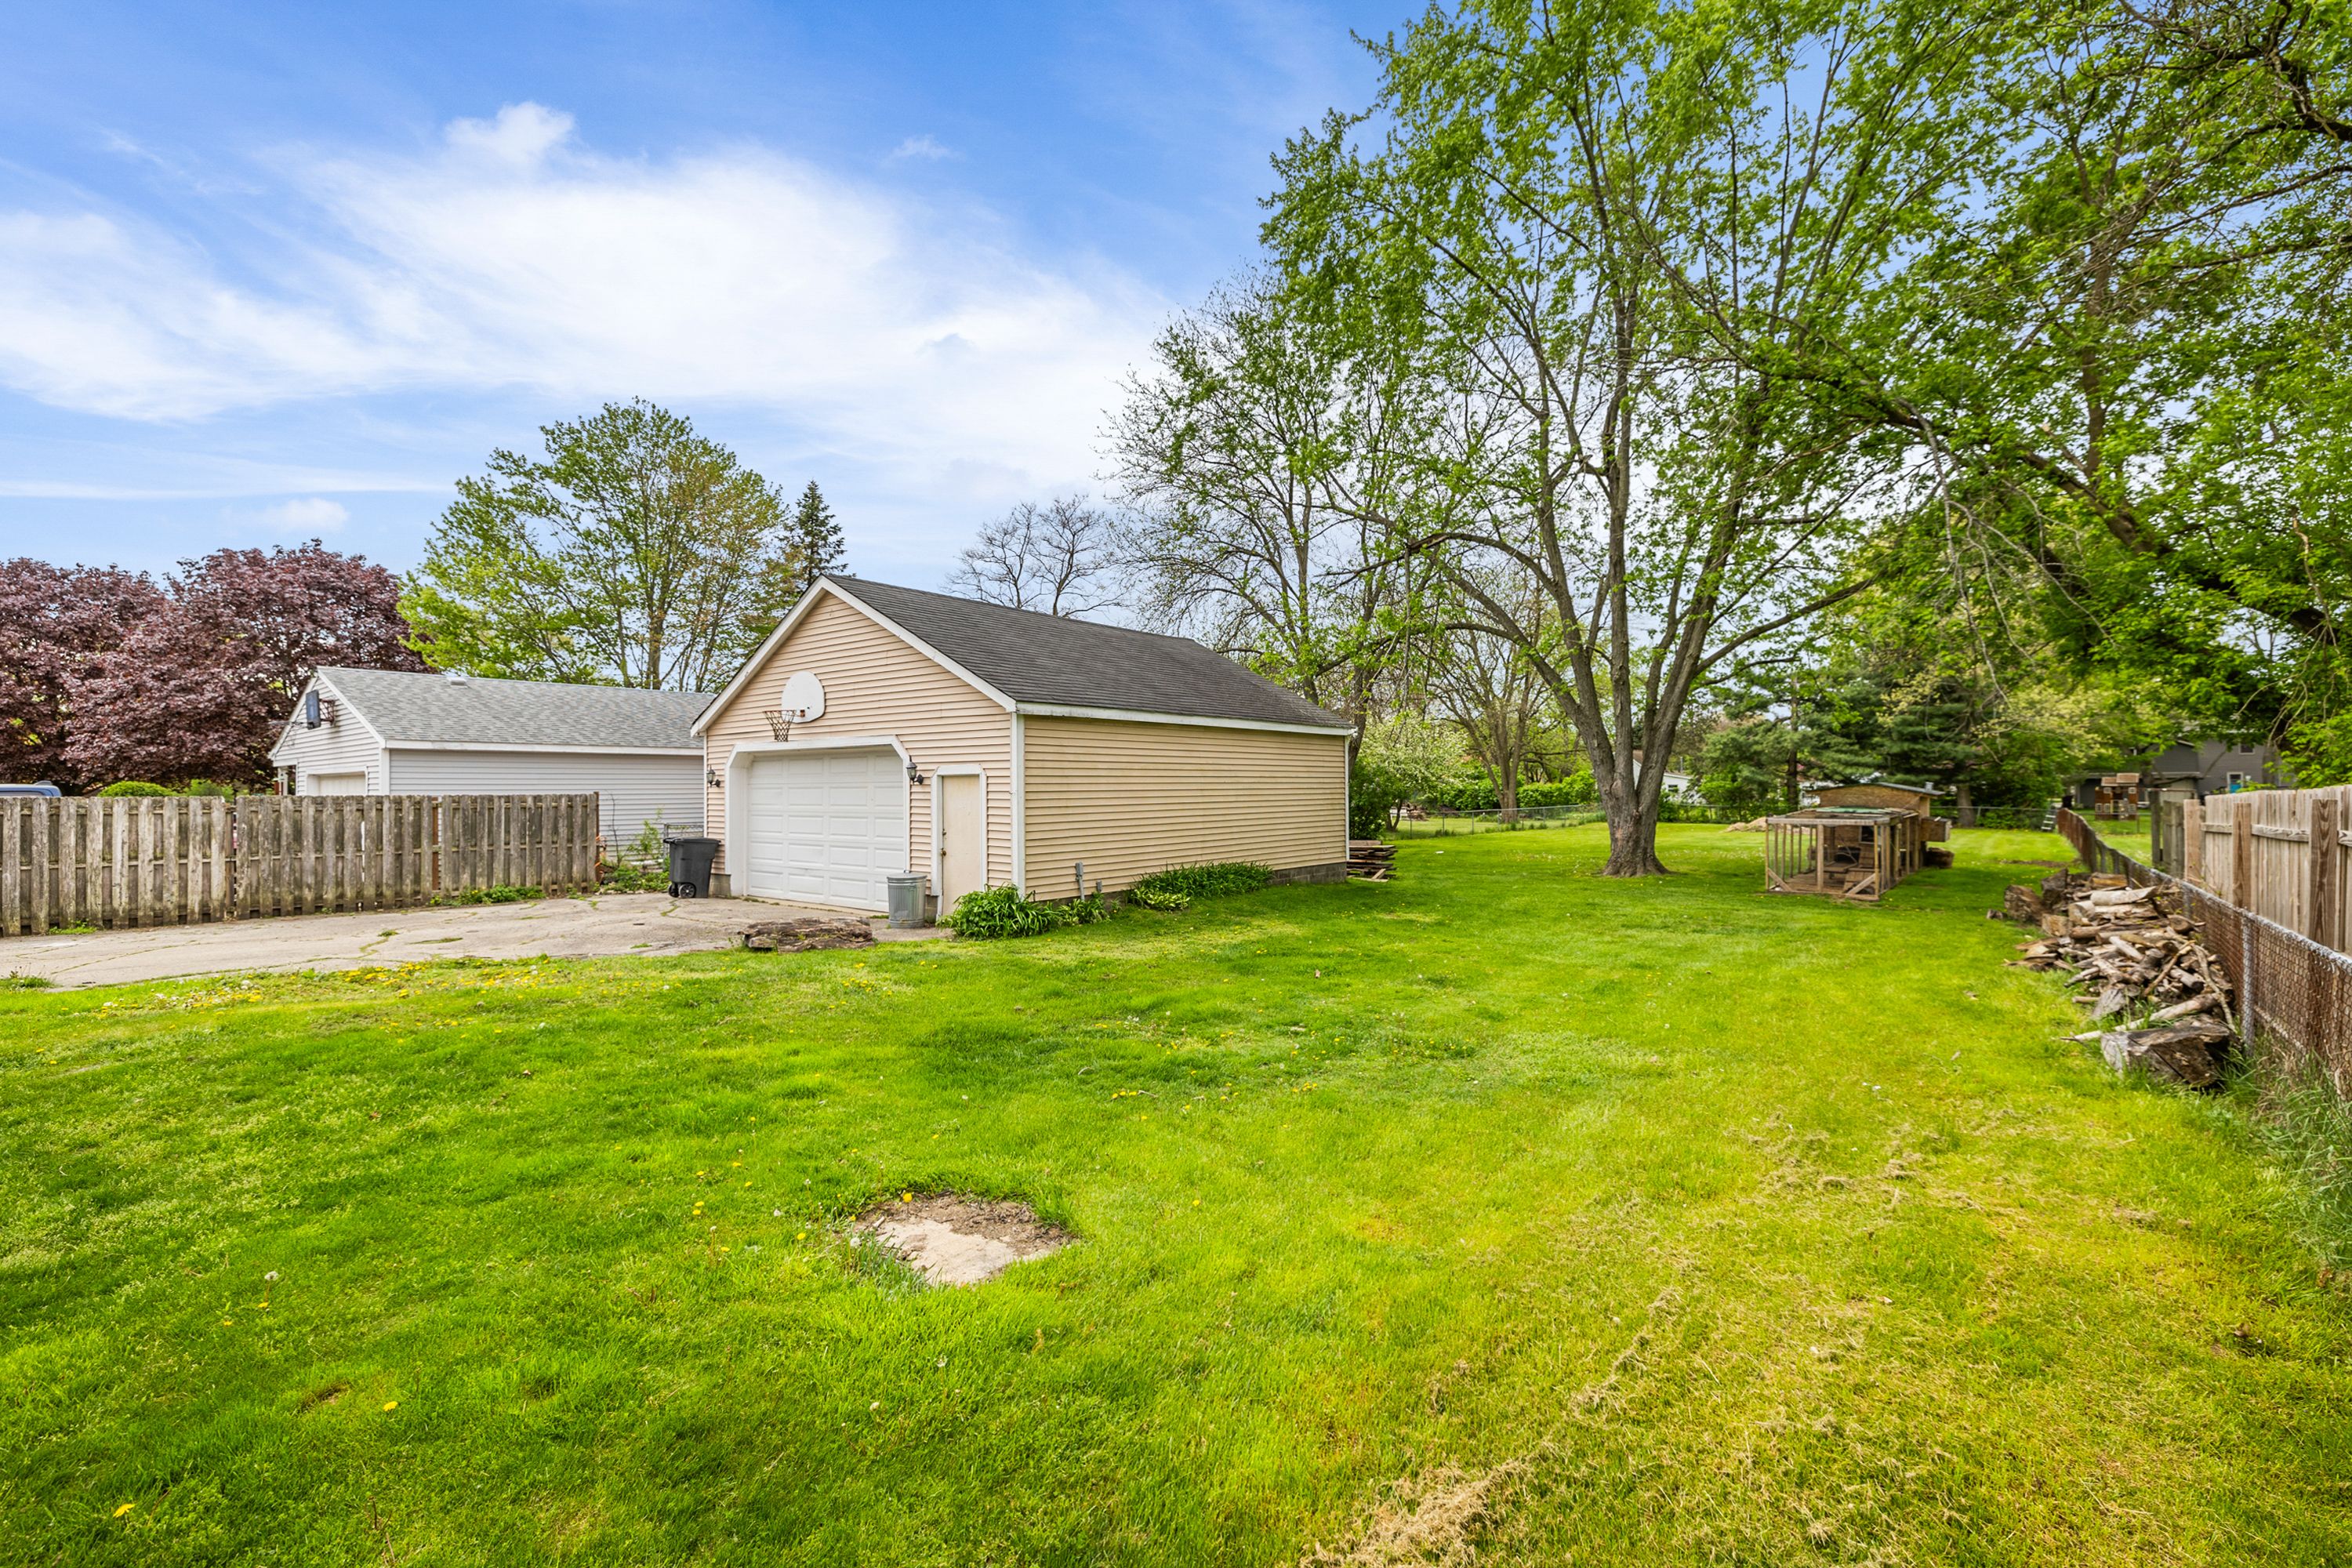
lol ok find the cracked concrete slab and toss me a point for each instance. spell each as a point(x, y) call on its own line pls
point(605, 926)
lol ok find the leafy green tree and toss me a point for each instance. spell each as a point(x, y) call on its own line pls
point(816, 542)
point(635, 552)
point(1244, 451)
point(1564, 206)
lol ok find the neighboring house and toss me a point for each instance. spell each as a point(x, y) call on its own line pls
point(886, 730)
point(383, 731)
point(2206, 767)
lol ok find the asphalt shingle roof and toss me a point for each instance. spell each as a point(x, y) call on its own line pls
point(404, 705)
point(1033, 657)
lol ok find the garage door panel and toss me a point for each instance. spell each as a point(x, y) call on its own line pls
point(826, 826)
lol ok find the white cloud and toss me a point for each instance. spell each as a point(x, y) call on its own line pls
point(511, 257)
point(923, 147)
point(520, 136)
point(311, 514)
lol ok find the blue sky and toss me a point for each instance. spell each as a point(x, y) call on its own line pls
point(270, 271)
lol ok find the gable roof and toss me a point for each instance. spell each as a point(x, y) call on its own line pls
point(427, 710)
point(1039, 662)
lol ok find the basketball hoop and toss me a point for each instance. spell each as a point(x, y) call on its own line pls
point(781, 719)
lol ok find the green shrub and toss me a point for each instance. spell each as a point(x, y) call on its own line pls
point(1373, 798)
point(1159, 899)
point(993, 912)
point(642, 866)
point(134, 786)
point(17, 979)
point(1204, 881)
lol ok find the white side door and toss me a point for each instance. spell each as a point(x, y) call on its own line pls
point(826, 825)
point(963, 837)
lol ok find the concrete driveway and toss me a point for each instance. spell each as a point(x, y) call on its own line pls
point(608, 925)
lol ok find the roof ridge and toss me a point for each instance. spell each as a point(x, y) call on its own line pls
point(471, 680)
point(850, 581)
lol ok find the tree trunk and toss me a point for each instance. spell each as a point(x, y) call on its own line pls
point(1633, 840)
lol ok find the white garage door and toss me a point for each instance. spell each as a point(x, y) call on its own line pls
point(826, 826)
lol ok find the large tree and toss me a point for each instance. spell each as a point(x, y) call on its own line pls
point(815, 539)
point(200, 686)
point(55, 624)
point(634, 552)
point(2122, 358)
point(1244, 451)
point(1559, 205)
point(1060, 559)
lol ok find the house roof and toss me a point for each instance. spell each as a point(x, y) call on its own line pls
point(1037, 661)
point(405, 708)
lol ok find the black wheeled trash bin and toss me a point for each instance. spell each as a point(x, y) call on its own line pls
point(689, 866)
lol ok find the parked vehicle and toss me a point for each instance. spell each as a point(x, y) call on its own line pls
point(49, 791)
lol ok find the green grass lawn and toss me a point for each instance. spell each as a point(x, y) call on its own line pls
point(1614, 1222)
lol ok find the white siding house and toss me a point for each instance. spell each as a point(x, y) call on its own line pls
point(382, 732)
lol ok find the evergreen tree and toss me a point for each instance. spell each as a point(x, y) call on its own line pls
point(816, 538)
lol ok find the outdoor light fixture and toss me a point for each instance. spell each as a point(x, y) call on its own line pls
point(914, 774)
point(311, 716)
point(710, 777)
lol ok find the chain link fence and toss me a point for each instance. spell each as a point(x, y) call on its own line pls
point(2292, 996)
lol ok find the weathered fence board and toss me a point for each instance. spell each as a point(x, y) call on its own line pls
point(2279, 854)
point(130, 861)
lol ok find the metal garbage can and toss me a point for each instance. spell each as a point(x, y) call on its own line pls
point(907, 898)
point(689, 866)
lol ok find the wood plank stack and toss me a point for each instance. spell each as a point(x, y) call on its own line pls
point(2158, 993)
point(1370, 859)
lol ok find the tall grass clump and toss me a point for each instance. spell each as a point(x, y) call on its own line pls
point(2308, 1128)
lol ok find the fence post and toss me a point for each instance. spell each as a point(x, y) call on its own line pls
point(2241, 852)
point(2192, 842)
point(2322, 897)
point(2246, 982)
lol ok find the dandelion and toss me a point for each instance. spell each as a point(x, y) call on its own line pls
point(391, 1404)
point(905, 1197)
point(775, 1214)
point(802, 1237)
point(876, 1405)
point(126, 1508)
point(271, 1277)
point(226, 1322)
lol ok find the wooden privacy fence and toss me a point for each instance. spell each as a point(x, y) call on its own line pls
point(173, 859)
point(2292, 991)
point(2279, 854)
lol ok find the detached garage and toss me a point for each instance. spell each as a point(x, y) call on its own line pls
point(885, 730)
point(389, 732)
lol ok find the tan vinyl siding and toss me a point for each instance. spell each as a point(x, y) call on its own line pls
point(1133, 798)
point(876, 685)
point(631, 791)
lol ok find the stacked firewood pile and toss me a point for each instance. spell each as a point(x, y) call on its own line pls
point(1370, 859)
point(2156, 992)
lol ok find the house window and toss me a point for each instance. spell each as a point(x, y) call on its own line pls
point(2236, 781)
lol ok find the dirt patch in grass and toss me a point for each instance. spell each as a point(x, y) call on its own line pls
point(325, 1394)
point(1433, 1519)
point(952, 1239)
